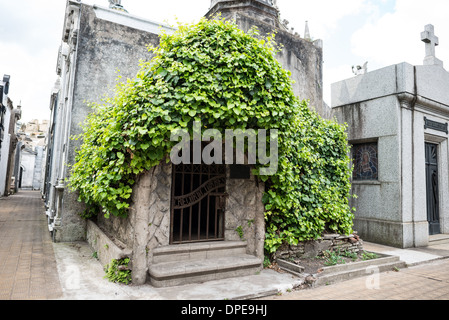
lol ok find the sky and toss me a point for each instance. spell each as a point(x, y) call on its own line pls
point(380, 32)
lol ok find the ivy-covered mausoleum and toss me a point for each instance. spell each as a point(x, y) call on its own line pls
point(188, 222)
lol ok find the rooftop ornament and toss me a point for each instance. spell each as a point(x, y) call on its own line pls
point(117, 5)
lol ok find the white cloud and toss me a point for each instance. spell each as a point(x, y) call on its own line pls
point(335, 74)
point(354, 31)
point(395, 37)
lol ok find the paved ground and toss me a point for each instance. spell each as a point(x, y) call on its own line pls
point(34, 268)
point(423, 282)
point(27, 260)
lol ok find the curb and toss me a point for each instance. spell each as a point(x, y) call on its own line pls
point(344, 272)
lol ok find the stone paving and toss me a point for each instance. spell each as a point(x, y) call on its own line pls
point(424, 282)
point(34, 268)
point(27, 261)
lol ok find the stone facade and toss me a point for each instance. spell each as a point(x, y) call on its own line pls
point(244, 209)
point(302, 57)
point(148, 225)
point(98, 46)
point(96, 43)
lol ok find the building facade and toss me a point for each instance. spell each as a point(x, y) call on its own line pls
point(8, 139)
point(299, 55)
point(99, 41)
point(398, 127)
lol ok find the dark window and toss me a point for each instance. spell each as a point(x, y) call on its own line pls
point(365, 159)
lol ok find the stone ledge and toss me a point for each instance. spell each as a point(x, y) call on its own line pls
point(383, 259)
point(340, 273)
point(106, 249)
point(194, 251)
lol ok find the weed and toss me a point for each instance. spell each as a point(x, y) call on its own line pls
point(332, 258)
point(369, 256)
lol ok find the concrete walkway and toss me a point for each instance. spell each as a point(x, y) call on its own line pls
point(429, 281)
point(82, 279)
point(427, 277)
point(32, 267)
point(27, 261)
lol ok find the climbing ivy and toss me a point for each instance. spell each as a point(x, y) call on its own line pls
point(215, 73)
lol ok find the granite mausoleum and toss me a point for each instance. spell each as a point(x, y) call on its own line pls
point(398, 126)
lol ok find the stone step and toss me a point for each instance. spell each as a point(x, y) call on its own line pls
point(176, 273)
point(197, 251)
point(438, 239)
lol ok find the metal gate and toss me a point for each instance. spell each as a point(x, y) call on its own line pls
point(198, 203)
point(433, 203)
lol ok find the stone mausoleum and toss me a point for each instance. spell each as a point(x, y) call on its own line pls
point(187, 223)
point(398, 127)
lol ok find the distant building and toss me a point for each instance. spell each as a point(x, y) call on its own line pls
point(30, 170)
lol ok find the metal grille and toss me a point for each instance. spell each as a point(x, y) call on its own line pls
point(433, 205)
point(198, 203)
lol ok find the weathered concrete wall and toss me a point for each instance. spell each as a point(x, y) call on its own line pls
point(106, 248)
point(105, 50)
point(148, 224)
point(301, 57)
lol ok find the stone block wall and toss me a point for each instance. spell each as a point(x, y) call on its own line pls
point(245, 210)
point(106, 248)
point(102, 51)
point(311, 249)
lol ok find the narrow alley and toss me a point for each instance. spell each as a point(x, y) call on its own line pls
point(27, 261)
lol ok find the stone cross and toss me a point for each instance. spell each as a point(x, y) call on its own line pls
point(431, 40)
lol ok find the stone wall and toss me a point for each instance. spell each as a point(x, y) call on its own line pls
point(312, 249)
point(104, 51)
point(244, 208)
point(148, 225)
